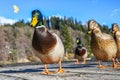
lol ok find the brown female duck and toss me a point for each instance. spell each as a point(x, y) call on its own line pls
point(80, 52)
point(102, 45)
point(116, 35)
point(48, 46)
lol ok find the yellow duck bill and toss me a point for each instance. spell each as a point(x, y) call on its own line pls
point(89, 32)
point(34, 21)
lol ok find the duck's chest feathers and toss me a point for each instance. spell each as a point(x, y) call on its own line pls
point(98, 41)
point(94, 41)
point(43, 41)
point(117, 37)
point(80, 51)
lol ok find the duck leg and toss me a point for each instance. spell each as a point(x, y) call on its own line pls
point(117, 62)
point(60, 70)
point(84, 61)
point(46, 71)
point(99, 65)
point(114, 65)
point(77, 61)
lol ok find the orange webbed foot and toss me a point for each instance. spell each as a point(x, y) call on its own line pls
point(117, 63)
point(115, 66)
point(84, 62)
point(101, 66)
point(46, 72)
point(77, 63)
point(60, 71)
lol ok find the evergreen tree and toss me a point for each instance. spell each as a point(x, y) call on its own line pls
point(105, 29)
point(66, 37)
point(20, 23)
point(55, 22)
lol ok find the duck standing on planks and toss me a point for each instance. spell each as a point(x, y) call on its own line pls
point(80, 52)
point(47, 46)
point(116, 35)
point(102, 45)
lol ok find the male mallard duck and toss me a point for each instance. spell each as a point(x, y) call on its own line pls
point(116, 35)
point(80, 52)
point(48, 46)
point(103, 45)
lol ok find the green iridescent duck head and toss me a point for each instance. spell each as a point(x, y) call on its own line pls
point(37, 18)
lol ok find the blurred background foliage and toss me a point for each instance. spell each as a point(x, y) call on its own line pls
point(16, 39)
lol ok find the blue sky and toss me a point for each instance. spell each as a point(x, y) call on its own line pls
point(103, 11)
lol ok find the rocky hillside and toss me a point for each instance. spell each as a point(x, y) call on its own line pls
point(16, 39)
point(15, 43)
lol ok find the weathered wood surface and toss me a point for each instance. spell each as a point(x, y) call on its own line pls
point(87, 71)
